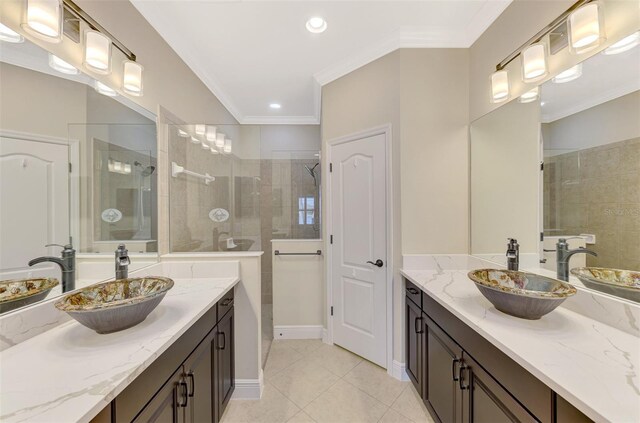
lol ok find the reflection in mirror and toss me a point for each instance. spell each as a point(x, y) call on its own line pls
point(77, 169)
point(586, 130)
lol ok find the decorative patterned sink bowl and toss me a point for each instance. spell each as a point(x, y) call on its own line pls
point(112, 306)
point(520, 294)
point(17, 293)
point(621, 283)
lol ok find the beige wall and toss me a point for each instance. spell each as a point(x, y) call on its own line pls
point(505, 172)
point(38, 103)
point(419, 93)
point(606, 123)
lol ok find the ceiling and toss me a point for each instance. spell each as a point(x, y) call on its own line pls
point(253, 53)
point(603, 78)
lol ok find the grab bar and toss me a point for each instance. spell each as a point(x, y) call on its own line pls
point(278, 253)
point(176, 169)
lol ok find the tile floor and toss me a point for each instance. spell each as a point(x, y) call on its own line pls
point(308, 381)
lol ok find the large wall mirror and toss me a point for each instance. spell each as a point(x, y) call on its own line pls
point(77, 167)
point(564, 166)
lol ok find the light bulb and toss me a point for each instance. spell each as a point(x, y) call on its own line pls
point(44, 19)
point(227, 145)
point(586, 28)
point(97, 52)
point(200, 129)
point(534, 62)
point(61, 66)
point(499, 86)
point(9, 35)
point(132, 80)
point(220, 140)
point(211, 133)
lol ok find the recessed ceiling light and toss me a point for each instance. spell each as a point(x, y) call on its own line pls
point(275, 106)
point(568, 75)
point(316, 25)
point(627, 43)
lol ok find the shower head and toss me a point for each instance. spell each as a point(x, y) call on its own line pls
point(146, 171)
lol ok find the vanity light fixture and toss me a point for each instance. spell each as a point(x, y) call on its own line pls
point(43, 19)
point(530, 96)
point(570, 74)
point(97, 52)
point(183, 134)
point(211, 134)
point(220, 140)
point(316, 25)
point(585, 26)
point(214, 151)
point(9, 35)
point(132, 79)
point(204, 145)
point(194, 140)
point(60, 65)
point(105, 89)
point(227, 145)
point(499, 86)
point(275, 106)
point(534, 62)
point(627, 43)
point(200, 129)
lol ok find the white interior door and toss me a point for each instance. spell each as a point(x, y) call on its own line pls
point(34, 200)
point(359, 228)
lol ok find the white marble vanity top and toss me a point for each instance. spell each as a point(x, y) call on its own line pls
point(592, 365)
point(70, 373)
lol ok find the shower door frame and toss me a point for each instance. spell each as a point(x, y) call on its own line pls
point(396, 370)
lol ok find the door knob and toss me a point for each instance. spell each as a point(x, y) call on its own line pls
point(378, 263)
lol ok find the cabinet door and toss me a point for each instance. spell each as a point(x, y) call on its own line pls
point(484, 400)
point(442, 357)
point(413, 331)
point(199, 377)
point(168, 405)
point(224, 363)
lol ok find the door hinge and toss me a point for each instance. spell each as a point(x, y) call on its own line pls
point(70, 166)
point(330, 239)
point(332, 310)
point(541, 165)
point(330, 167)
point(541, 236)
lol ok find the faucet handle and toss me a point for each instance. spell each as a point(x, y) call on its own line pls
point(64, 247)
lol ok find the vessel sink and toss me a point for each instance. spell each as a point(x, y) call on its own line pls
point(521, 294)
point(621, 283)
point(116, 305)
point(17, 293)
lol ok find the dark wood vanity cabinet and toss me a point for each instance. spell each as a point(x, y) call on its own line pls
point(191, 382)
point(463, 378)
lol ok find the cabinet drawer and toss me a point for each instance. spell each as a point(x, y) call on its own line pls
point(414, 293)
point(225, 304)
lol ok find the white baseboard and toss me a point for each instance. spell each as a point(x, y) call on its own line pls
point(297, 332)
point(248, 389)
point(399, 371)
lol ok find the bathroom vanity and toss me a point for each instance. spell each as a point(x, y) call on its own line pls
point(178, 364)
point(470, 362)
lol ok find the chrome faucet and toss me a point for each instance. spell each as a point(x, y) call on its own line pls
point(67, 265)
point(122, 262)
point(563, 254)
point(513, 254)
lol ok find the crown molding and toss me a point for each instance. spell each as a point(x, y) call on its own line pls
point(592, 101)
point(280, 120)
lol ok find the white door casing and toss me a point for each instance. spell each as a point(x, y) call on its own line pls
point(34, 175)
point(360, 292)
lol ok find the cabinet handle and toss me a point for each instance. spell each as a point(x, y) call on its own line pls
point(453, 369)
point(226, 302)
point(412, 291)
point(183, 385)
point(224, 341)
point(462, 368)
point(415, 324)
point(193, 383)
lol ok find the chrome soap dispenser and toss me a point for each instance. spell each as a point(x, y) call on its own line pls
point(513, 254)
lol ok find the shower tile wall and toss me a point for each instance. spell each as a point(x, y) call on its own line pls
point(284, 183)
point(597, 191)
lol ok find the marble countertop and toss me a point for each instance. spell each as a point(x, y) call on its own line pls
point(70, 373)
point(592, 365)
